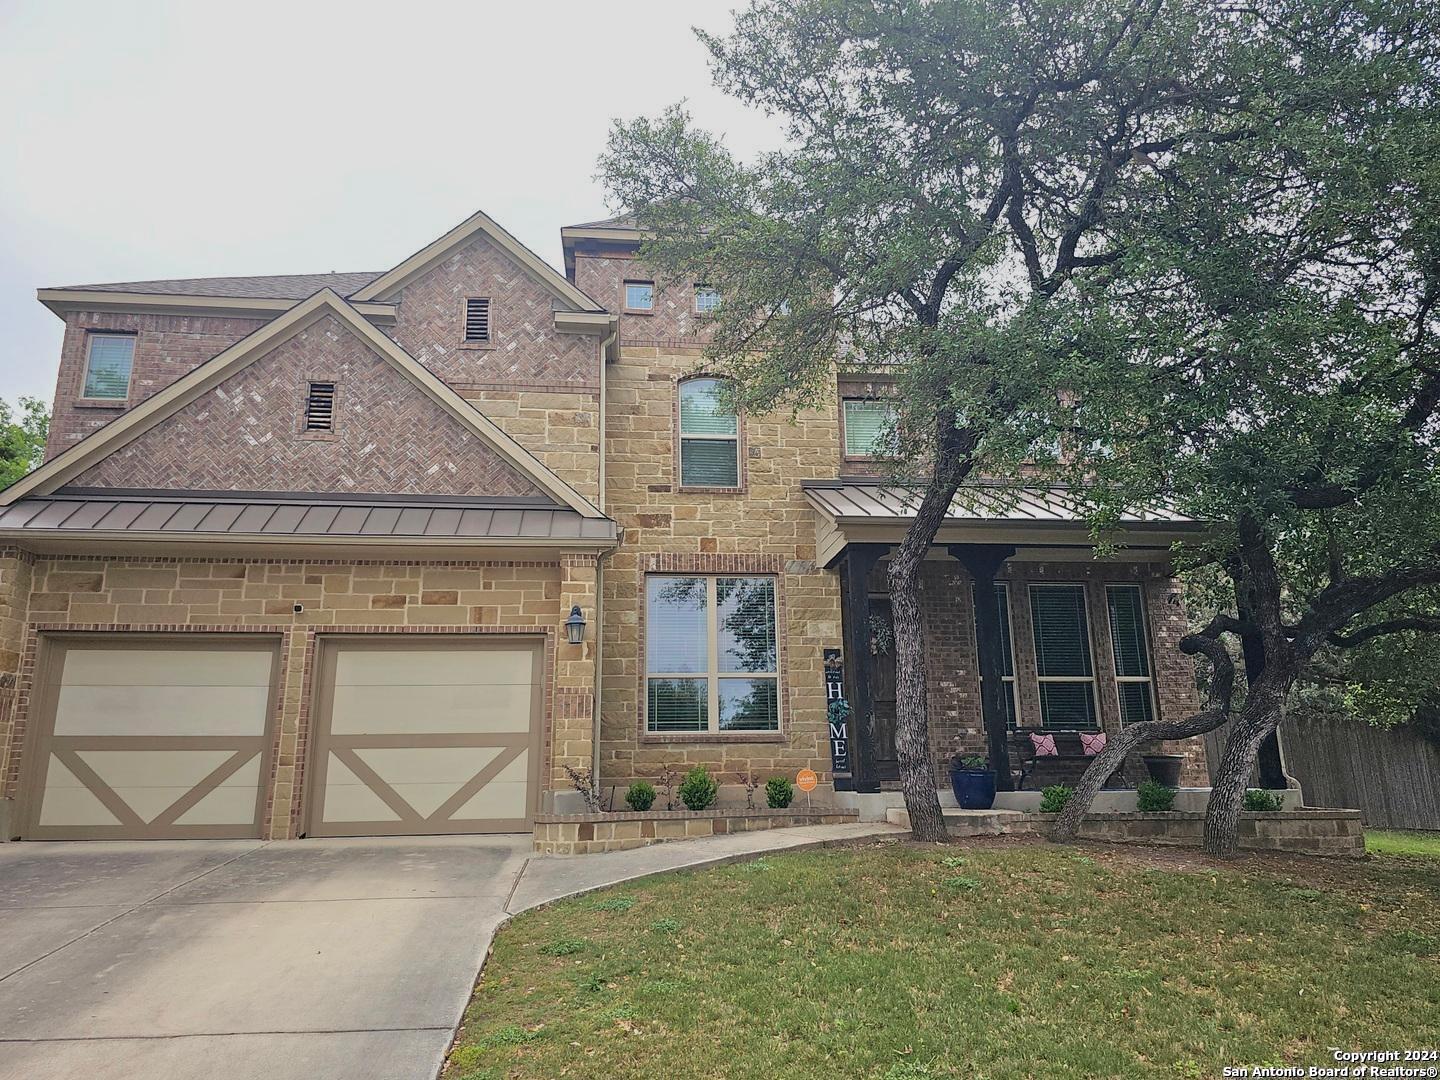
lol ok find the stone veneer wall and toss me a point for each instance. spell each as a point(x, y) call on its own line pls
point(587, 834)
point(765, 527)
point(166, 347)
point(230, 595)
point(1307, 832)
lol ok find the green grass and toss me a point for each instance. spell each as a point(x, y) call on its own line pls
point(1424, 845)
point(885, 963)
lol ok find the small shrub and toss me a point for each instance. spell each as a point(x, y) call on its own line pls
point(698, 789)
point(1265, 802)
point(613, 903)
point(972, 762)
point(1054, 798)
point(1152, 797)
point(563, 947)
point(640, 795)
point(779, 792)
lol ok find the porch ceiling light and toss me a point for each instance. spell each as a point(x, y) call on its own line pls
point(575, 626)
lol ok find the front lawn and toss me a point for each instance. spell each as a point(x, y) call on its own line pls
point(1422, 845)
point(985, 960)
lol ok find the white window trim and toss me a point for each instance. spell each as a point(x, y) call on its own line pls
point(1012, 681)
point(90, 339)
point(712, 646)
point(1145, 643)
point(710, 290)
point(1041, 680)
point(708, 436)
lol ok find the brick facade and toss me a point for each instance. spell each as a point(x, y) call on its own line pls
point(247, 434)
point(166, 347)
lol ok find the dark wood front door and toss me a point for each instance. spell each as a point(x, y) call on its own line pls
point(882, 688)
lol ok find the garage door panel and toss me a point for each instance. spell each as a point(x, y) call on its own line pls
point(419, 667)
point(167, 667)
point(161, 710)
point(381, 710)
point(123, 753)
point(426, 738)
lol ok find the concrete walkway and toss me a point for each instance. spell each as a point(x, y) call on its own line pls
point(292, 960)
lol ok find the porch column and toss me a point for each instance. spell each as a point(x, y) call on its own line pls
point(981, 561)
point(860, 559)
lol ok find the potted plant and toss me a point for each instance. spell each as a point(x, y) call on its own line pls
point(973, 781)
point(1164, 768)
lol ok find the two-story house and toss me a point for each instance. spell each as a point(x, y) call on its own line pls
point(399, 552)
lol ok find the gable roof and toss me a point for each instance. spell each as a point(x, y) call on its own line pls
point(265, 287)
point(73, 461)
point(392, 281)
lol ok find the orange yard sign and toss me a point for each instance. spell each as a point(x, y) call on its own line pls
point(806, 780)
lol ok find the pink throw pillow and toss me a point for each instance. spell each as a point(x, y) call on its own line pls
point(1044, 745)
point(1092, 744)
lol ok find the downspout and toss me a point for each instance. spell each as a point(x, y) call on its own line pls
point(605, 347)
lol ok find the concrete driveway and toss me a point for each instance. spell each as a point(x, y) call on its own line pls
point(313, 959)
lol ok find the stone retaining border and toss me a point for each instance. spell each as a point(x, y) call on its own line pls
point(622, 830)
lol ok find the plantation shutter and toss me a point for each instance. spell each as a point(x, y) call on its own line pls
point(477, 319)
point(865, 425)
point(709, 436)
point(1062, 656)
point(1131, 651)
point(107, 373)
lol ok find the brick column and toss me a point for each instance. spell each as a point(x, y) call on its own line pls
point(572, 739)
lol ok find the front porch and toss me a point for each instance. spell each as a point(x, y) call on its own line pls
point(1070, 641)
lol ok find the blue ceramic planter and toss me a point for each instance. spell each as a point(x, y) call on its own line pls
point(974, 788)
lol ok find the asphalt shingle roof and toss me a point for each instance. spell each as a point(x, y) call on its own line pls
point(269, 287)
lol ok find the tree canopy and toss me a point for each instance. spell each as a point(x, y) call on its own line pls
point(22, 438)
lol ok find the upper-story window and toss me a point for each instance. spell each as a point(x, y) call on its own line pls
point(639, 296)
point(866, 422)
point(477, 320)
point(709, 436)
point(108, 361)
point(707, 300)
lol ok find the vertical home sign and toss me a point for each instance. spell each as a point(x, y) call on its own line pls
point(837, 714)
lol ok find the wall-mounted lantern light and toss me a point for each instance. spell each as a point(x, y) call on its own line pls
point(575, 626)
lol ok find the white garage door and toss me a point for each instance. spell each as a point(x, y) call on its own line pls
point(432, 736)
point(148, 738)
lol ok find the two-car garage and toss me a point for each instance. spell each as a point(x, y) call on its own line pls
point(149, 737)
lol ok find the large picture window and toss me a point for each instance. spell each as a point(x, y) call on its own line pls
point(1007, 652)
point(709, 436)
point(107, 366)
point(711, 659)
point(1062, 656)
point(1131, 646)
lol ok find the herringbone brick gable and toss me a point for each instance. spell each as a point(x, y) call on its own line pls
point(246, 433)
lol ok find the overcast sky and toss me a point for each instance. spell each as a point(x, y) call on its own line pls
point(151, 140)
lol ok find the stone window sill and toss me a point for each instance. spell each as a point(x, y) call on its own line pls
point(686, 737)
point(102, 403)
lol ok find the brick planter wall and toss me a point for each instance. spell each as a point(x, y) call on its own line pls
point(584, 834)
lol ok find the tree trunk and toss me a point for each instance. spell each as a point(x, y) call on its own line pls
point(1264, 709)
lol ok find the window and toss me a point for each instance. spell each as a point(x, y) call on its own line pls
point(1130, 644)
point(107, 366)
point(707, 300)
point(477, 319)
point(320, 407)
point(866, 423)
point(709, 436)
point(1007, 652)
point(1062, 656)
point(639, 296)
point(710, 654)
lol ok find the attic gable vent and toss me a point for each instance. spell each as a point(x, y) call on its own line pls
point(477, 319)
point(320, 407)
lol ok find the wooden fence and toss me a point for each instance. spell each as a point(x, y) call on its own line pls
point(1392, 776)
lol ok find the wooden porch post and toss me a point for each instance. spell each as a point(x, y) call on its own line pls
point(860, 559)
point(982, 561)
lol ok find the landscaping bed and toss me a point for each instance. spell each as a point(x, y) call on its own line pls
point(586, 834)
point(1006, 958)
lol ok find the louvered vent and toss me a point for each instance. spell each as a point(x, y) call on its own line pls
point(477, 318)
point(320, 407)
